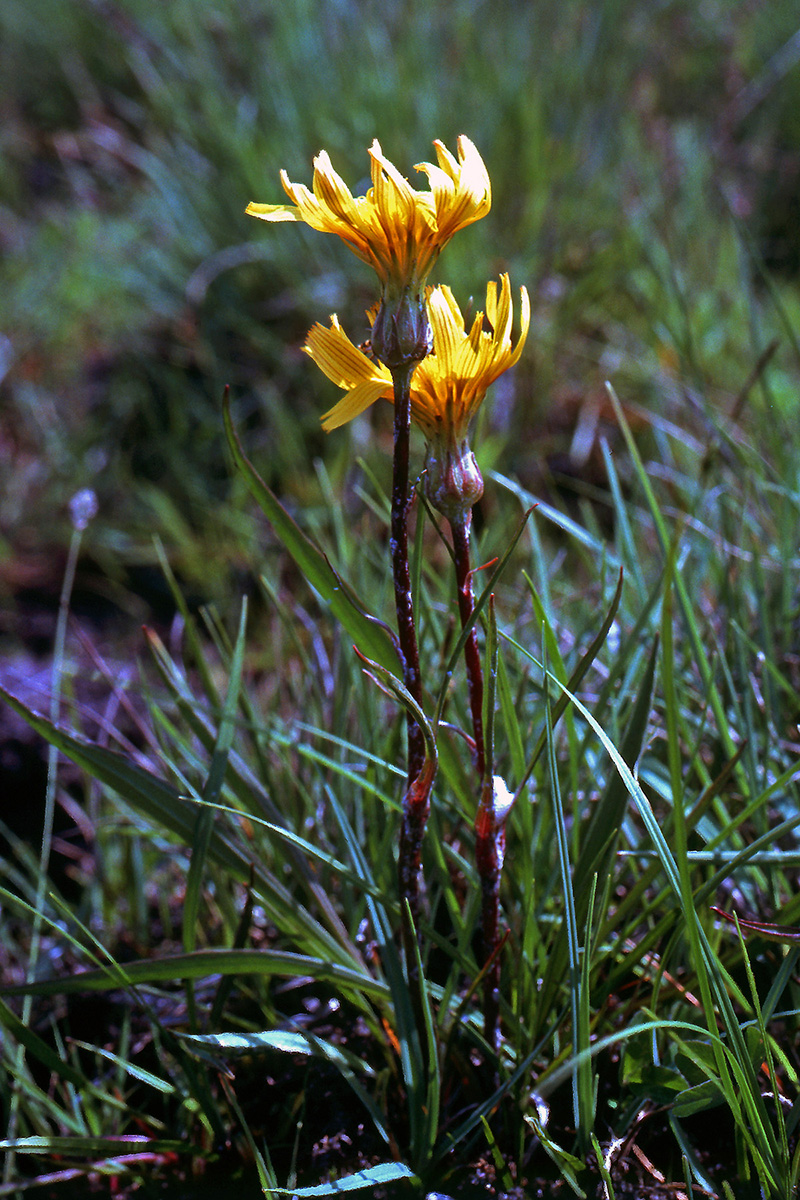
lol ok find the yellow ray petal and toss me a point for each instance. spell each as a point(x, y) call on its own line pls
point(393, 194)
point(330, 189)
point(341, 361)
point(448, 330)
point(449, 385)
point(501, 319)
point(524, 325)
point(273, 212)
point(398, 230)
point(352, 404)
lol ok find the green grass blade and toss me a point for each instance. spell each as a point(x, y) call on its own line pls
point(215, 1046)
point(189, 625)
point(570, 925)
point(687, 606)
point(211, 794)
point(596, 851)
point(26, 1037)
point(163, 804)
point(598, 841)
point(199, 965)
point(129, 1068)
point(372, 1177)
point(561, 521)
point(109, 1146)
point(511, 720)
point(574, 681)
point(370, 636)
point(478, 608)
point(739, 1082)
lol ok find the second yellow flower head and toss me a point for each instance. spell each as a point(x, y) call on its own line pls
point(448, 387)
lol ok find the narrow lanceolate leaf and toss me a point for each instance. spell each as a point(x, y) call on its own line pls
point(108, 1146)
point(786, 934)
point(285, 1041)
point(598, 841)
point(199, 965)
point(40, 1049)
point(212, 791)
point(370, 635)
point(396, 688)
point(372, 1177)
point(160, 802)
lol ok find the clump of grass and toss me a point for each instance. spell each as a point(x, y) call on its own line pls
point(616, 977)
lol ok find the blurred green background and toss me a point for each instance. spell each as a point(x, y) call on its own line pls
point(644, 159)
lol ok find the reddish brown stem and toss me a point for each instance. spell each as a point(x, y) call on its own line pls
point(416, 801)
point(489, 849)
point(416, 807)
point(472, 658)
point(398, 541)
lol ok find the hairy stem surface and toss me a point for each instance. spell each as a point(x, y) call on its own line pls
point(416, 802)
point(489, 849)
point(466, 603)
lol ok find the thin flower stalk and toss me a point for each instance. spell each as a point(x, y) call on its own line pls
point(401, 575)
point(416, 801)
point(490, 847)
point(460, 527)
point(446, 390)
point(491, 813)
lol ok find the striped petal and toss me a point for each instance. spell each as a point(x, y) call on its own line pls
point(398, 230)
point(353, 404)
point(341, 361)
point(449, 386)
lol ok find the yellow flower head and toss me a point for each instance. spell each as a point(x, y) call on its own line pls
point(448, 387)
point(395, 229)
